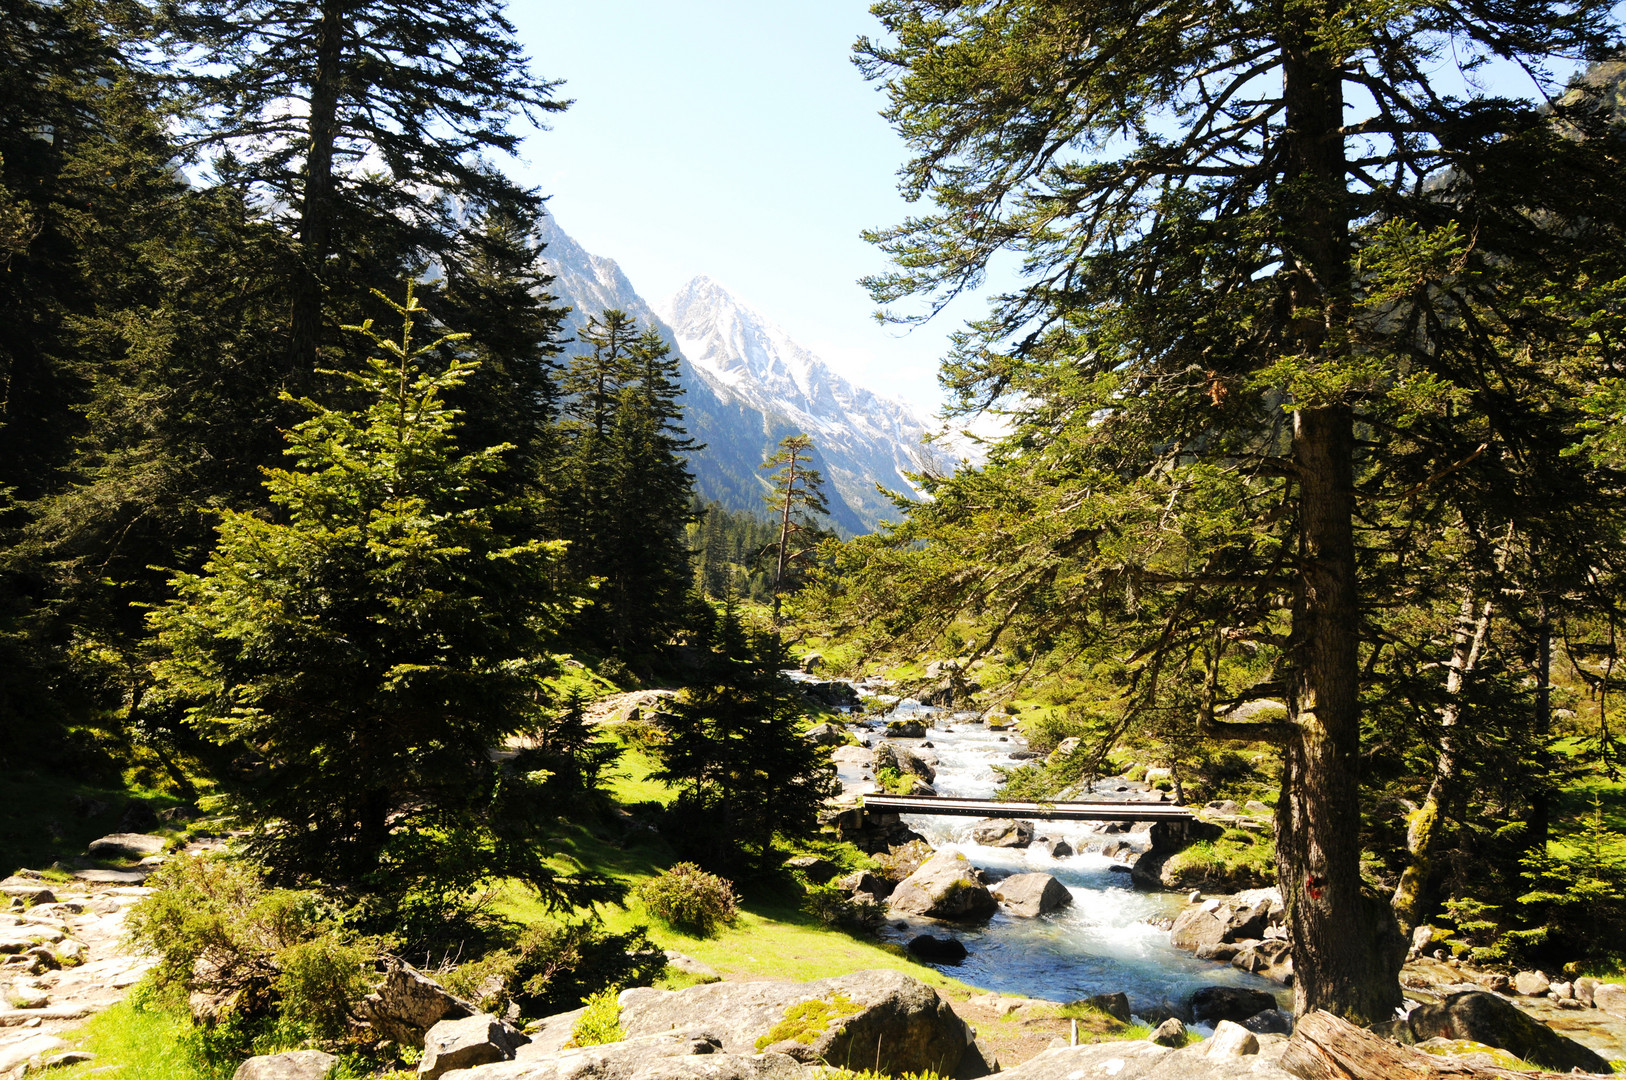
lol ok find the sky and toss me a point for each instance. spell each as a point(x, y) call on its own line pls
point(734, 139)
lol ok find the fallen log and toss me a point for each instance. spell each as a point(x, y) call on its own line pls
point(1327, 1047)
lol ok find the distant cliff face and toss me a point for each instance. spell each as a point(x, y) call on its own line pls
point(747, 385)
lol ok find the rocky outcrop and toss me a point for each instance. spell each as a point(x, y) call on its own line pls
point(408, 1003)
point(1247, 929)
point(1003, 832)
point(946, 886)
point(881, 1020)
point(293, 1065)
point(1031, 895)
point(462, 1044)
point(667, 1056)
point(1494, 1021)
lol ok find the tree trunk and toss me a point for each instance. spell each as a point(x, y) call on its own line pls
point(1422, 832)
point(784, 533)
point(1347, 950)
point(316, 212)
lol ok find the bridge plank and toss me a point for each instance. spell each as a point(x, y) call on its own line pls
point(940, 805)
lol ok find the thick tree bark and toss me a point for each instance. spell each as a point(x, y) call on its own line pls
point(1347, 950)
point(1422, 832)
point(1323, 1047)
point(316, 213)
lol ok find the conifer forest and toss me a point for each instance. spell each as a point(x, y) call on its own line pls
point(366, 640)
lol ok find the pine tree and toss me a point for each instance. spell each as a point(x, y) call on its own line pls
point(1280, 290)
point(798, 494)
point(743, 771)
point(400, 105)
point(365, 649)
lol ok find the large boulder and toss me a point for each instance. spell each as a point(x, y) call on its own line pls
point(461, 1044)
point(1003, 832)
point(408, 1003)
point(1272, 958)
point(881, 1020)
point(826, 735)
point(1211, 1004)
point(1495, 1021)
point(1610, 997)
point(903, 760)
point(293, 1065)
point(945, 887)
point(938, 950)
point(1032, 894)
point(682, 1055)
point(1248, 915)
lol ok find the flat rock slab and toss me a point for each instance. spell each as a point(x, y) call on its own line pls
point(24, 1051)
point(1148, 1061)
point(115, 877)
point(650, 1057)
point(131, 845)
point(881, 1020)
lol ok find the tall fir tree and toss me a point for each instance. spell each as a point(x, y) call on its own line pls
point(1269, 296)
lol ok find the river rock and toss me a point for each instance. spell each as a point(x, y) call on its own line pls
point(1059, 849)
point(461, 1044)
point(881, 1020)
point(1610, 997)
point(1272, 958)
point(1114, 1005)
point(27, 890)
point(1490, 1019)
point(1248, 915)
point(872, 885)
point(1270, 1022)
point(1063, 750)
point(904, 760)
point(905, 729)
point(408, 1003)
point(826, 735)
point(293, 1065)
point(1530, 984)
point(667, 1056)
point(1170, 1032)
point(1583, 990)
point(945, 887)
point(1030, 895)
point(1231, 1040)
point(833, 693)
point(944, 950)
point(1003, 832)
point(1211, 1004)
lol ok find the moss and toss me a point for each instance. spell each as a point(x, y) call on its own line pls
point(808, 1020)
point(1236, 860)
point(1458, 1047)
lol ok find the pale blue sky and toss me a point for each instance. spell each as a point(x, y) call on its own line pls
point(732, 138)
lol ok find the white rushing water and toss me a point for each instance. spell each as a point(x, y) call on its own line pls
point(1102, 942)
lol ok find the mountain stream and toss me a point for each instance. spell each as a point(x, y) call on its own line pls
point(1103, 942)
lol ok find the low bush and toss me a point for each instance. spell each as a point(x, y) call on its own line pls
point(600, 1022)
point(833, 906)
point(689, 899)
point(260, 952)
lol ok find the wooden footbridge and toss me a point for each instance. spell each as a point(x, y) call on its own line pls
point(1044, 811)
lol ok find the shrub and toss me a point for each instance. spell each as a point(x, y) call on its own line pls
point(555, 968)
point(601, 1021)
point(832, 906)
point(687, 898)
point(217, 928)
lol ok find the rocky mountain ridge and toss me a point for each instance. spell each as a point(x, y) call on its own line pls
point(747, 385)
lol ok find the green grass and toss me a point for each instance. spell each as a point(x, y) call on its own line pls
point(1238, 858)
point(630, 782)
point(142, 1041)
